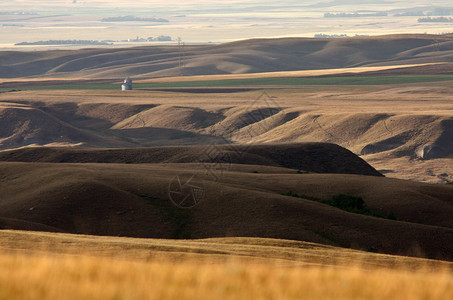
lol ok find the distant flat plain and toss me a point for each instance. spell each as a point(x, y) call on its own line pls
point(212, 21)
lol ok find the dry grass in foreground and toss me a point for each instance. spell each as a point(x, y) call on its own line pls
point(39, 265)
point(84, 277)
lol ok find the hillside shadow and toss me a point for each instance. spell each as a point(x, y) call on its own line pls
point(155, 136)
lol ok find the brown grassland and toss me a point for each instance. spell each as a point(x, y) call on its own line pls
point(386, 125)
point(57, 266)
point(240, 57)
point(304, 73)
point(87, 176)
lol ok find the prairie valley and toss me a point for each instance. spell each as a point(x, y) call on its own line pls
point(270, 167)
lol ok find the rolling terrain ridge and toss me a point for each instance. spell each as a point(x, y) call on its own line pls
point(24, 123)
point(249, 56)
point(245, 200)
point(260, 161)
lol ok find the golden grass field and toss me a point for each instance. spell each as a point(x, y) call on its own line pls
point(93, 278)
point(304, 73)
point(56, 266)
point(281, 74)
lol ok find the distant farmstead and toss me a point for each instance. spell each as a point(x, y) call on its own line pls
point(127, 84)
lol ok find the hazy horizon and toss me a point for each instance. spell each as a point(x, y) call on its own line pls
point(213, 21)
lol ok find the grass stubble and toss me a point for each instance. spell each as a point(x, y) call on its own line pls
point(88, 277)
point(96, 274)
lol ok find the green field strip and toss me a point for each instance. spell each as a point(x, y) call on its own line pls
point(276, 81)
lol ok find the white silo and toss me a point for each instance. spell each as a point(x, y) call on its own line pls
point(127, 84)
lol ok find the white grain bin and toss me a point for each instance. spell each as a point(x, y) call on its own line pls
point(127, 84)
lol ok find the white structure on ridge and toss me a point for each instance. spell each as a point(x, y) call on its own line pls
point(127, 85)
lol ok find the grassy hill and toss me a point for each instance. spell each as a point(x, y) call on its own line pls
point(408, 218)
point(373, 120)
point(309, 157)
point(75, 266)
point(211, 187)
point(249, 56)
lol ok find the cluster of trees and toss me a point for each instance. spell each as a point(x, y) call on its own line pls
point(161, 38)
point(63, 42)
point(438, 11)
point(133, 19)
point(329, 36)
point(354, 15)
point(12, 25)
point(435, 20)
point(333, 36)
point(18, 13)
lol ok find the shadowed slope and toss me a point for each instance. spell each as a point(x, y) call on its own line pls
point(415, 136)
point(102, 125)
point(119, 125)
point(312, 157)
point(132, 200)
point(30, 126)
point(166, 116)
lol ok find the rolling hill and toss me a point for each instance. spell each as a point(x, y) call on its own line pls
point(367, 121)
point(57, 265)
point(243, 182)
point(248, 56)
point(409, 218)
point(309, 157)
